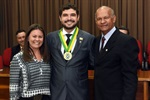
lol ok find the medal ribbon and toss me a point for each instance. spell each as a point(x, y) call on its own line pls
point(73, 38)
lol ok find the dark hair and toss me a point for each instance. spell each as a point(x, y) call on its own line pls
point(19, 31)
point(68, 6)
point(28, 51)
point(124, 28)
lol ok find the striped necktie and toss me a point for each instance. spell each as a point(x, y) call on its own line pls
point(102, 45)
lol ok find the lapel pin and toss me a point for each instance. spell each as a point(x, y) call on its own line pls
point(81, 39)
point(106, 50)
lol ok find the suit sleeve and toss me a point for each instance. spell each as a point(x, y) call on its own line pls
point(91, 54)
point(129, 61)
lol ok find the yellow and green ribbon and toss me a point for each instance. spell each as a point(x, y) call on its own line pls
point(68, 48)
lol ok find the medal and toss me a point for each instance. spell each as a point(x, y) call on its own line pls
point(68, 48)
point(67, 56)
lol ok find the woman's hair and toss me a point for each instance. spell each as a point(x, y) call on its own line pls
point(27, 51)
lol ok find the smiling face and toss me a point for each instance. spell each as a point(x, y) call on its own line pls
point(20, 38)
point(35, 39)
point(69, 19)
point(105, 19)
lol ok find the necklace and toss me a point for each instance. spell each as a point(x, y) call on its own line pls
point(41, 71)
point(39, 65)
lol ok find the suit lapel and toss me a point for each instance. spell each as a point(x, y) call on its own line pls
point(109, 45)
point(59, 47)
point(80, 39)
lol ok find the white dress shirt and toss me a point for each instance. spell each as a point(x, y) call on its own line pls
point(107, 36)
point(65, 37)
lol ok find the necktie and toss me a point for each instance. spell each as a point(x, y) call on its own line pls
point(67, 41)
point(68, 38)
point(103, 39)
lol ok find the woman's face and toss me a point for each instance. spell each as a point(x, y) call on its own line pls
point(36, 39)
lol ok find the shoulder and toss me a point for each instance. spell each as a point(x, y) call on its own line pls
point(16, 47)
point(126, 37)
point(17, 58)
point(52, 37)
point(126, 40)
point(85, 33)
point(52, 33)
point(18, 55)
point(123, 37)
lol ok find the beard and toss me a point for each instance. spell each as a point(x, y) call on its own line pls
point(69, 28)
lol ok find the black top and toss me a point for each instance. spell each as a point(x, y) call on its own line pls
point(15, 50)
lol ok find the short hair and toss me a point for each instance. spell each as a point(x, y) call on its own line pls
point(124, 28)
point(105, 7)
point(68, 6)
point(19, 31)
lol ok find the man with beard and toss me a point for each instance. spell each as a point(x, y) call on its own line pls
point(70, 61)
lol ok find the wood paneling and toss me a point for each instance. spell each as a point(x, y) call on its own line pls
point(4, 84)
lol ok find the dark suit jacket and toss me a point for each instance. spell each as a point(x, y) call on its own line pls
point(15, 50)
point(116, 68)
point(69, 80)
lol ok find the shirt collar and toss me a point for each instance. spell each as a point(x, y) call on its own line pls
point(64, 32)
point(108, 35)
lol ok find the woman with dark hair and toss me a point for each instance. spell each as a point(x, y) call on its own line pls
point(30, 69)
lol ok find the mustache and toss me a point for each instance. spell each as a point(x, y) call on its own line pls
point(69, 21)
